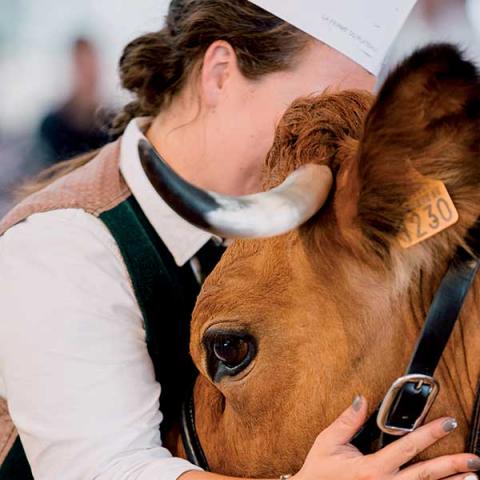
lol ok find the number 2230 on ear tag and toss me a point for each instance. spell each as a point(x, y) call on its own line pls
point(432, 211)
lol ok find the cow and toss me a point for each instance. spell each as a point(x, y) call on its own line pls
point(287, 330)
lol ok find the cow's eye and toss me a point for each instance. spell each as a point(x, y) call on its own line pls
point(228, 353)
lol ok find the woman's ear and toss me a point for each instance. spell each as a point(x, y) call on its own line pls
point(424, 125)
point(219, 67)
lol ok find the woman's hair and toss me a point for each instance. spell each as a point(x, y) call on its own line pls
point(156, 66)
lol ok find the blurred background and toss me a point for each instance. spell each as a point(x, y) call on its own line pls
point(58, 76)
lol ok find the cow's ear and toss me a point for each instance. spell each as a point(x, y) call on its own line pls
point(424, 124)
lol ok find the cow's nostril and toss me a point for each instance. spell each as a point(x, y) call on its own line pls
point(228, 353)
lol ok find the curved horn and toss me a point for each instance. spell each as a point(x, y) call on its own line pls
point(265, 214)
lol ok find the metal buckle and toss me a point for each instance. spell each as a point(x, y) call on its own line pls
point(392, 395)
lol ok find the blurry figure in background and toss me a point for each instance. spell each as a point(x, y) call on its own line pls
point(76, 126)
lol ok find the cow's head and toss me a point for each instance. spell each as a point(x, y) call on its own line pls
point(287, 330)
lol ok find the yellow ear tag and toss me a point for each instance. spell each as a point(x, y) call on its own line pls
point(431, 211)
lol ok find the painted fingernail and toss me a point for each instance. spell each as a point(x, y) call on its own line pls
point(474, 464)
point(471, 476)
point(357, 403)
point(449, 425)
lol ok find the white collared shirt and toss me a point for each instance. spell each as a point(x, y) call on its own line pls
point(74, 365)
point(182, 239)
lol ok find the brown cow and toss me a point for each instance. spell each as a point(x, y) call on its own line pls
point(287, 330)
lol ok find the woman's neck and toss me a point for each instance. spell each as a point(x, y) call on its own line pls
point(189, 143)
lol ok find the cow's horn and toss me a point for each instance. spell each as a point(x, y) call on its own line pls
point(265, 214)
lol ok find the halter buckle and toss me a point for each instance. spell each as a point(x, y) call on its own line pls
point(406, 404)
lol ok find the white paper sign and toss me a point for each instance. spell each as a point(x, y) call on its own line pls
point(363, 30)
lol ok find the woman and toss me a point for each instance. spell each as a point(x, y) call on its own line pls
point(98, 276)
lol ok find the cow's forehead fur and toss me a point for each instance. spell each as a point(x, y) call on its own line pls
point(313, 130)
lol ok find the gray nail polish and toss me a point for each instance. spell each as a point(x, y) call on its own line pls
point(357, 403)
point(474, 464)
point(471, 476)
point(449, 425)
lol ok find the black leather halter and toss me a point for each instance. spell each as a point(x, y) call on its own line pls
point(191, 442)
point(410, 398)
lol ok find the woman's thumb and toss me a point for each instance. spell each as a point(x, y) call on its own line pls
point(344, 428)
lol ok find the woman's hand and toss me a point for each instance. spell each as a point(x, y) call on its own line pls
point(333, 458)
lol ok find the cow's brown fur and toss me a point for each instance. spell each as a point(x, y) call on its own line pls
point(336, 306)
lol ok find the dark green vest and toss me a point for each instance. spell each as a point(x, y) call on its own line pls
point(166, 295)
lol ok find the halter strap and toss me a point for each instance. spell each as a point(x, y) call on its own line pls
point(410, 398)
point(191, 442)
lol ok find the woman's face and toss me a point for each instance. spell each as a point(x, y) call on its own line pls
point(244, 119)
point(226, 122)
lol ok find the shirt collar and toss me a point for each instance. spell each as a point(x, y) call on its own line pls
point(182, 239)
